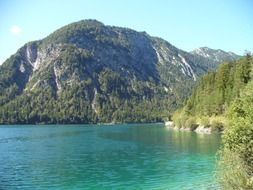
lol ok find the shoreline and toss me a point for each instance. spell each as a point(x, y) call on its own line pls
point(199, 130)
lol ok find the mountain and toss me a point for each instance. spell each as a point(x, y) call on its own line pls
point(87, 72)
point(216, 56)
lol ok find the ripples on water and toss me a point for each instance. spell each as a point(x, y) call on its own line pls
point(108, 157)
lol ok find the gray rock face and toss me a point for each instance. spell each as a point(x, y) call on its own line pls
point(216, 56)
point(130, 53)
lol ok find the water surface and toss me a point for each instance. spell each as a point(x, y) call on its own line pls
point(145, 156)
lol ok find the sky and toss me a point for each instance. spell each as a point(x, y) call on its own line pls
point(187, 24)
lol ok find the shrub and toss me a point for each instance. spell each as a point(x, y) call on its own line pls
point(204, 121)
point(233, 173)
point(191, 123)
point(216, 126)
point(236, 161)
point(179, 118)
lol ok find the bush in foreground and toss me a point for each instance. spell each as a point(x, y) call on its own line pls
point(236, 156)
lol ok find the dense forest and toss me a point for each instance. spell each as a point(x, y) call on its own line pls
point(214, 94)
point(223, 101)
point(115, 101)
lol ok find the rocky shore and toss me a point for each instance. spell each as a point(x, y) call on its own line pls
point(200, 129)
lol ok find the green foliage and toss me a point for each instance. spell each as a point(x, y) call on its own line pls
point(111, 81)
point(191, 123)
point(232, 172)
point(204, 121)
point(236, 161)
point(217, 89)
point(215, 92)
point(179, 118)
point(114, 101)
point(217, 126)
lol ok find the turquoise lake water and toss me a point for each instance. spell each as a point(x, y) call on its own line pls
point(145, 156)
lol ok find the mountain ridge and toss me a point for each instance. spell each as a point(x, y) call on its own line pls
point(104, 69)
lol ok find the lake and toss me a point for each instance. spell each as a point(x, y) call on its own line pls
point(136, 156)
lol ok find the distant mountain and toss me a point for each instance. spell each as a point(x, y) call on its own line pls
point(216, 56)
point(87, 72)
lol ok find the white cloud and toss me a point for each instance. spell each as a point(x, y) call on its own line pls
point(15, 30)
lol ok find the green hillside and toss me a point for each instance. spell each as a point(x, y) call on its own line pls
point(213, 95)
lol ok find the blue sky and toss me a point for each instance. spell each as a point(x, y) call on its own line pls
point(218, 24)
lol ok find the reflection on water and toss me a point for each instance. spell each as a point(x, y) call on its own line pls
point(179, 140)
point(93, 157)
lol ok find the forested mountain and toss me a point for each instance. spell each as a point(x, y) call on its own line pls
point(214, 93)
point(87, 72)
point(218, 88)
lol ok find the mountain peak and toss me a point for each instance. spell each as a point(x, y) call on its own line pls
point(217, 55)
point(89, 22)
